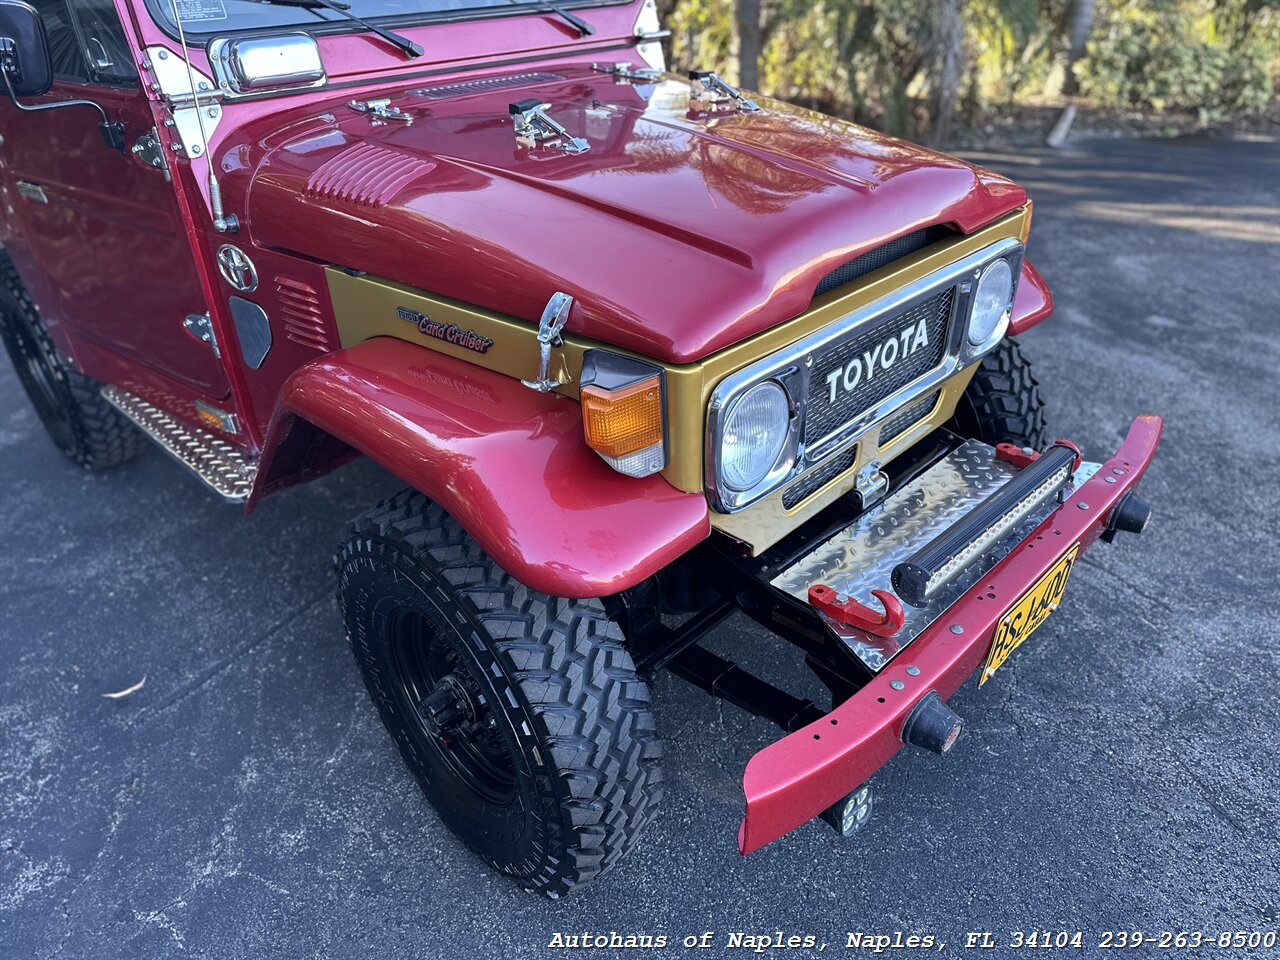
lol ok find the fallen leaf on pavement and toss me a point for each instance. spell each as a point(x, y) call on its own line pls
point(121, 694)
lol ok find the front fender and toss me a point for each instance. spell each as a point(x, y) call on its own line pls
point(509, 464)
point(1032, 302)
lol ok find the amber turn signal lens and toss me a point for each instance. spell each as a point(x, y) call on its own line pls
point(622, 421)
point(1026, 221)
point(212, 419)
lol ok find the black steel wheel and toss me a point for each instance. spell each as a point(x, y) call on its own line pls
point(1002, 403)
point(520, 714)
point(87, 429)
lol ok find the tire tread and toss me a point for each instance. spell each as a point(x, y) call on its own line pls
point(570, 662)
point(1004, 401)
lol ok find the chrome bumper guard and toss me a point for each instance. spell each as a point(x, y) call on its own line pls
point(942, 532)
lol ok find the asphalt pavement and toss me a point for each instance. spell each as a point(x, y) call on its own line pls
point(1119, 773)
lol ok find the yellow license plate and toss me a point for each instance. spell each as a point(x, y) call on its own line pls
point(1028, 613)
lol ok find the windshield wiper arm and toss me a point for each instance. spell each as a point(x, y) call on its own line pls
point(343, 9)
point(584, 28)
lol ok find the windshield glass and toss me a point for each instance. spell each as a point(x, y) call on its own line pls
point(231, 16)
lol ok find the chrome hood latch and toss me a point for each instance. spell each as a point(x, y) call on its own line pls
point(534, 126)
point(554, 316)
point(709, 92)
point(380, 110)
point(624, 72)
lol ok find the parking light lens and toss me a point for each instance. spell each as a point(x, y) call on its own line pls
point(625, 425)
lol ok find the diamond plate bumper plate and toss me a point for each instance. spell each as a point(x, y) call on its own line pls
point(861, 557)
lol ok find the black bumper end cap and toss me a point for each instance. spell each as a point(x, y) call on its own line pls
point(1131, 515)
point(932, 725)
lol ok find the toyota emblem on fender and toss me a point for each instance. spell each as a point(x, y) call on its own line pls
point(237, 269)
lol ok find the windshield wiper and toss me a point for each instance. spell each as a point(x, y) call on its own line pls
point(584, 28)
point(343, 10)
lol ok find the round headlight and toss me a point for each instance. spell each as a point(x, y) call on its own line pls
point(991, 301)
point(755, 431)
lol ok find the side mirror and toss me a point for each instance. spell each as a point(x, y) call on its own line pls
point(24, 50)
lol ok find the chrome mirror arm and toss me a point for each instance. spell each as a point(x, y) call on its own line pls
point(112, 133)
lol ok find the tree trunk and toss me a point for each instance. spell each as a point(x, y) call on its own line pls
point(1079, 23)
point(749, 43)
point(947, 68)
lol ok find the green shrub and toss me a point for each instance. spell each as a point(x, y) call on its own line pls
point(1214, 58)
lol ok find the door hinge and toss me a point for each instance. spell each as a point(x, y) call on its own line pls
point(148, 149)
point(201, 327)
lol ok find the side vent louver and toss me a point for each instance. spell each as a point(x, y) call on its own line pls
point(301, 315)
point(366, 174)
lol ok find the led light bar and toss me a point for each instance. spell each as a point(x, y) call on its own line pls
point(937, 563)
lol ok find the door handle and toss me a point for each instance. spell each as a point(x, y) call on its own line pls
point(32, 191)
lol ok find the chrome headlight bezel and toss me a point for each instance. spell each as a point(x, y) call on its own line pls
point(790, 368)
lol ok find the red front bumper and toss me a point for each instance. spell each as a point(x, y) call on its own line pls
point(793, 780)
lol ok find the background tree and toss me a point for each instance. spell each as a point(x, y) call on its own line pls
point(749, 43)
point(923, 68)
point(1079, 24)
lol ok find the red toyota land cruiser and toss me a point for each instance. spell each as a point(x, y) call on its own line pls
point(645, 350)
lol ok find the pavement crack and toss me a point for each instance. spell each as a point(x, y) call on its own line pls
point(1223, 814)
point(1133, 587)
point(220, 666)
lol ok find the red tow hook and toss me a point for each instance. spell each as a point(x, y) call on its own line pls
point(1020, 457)
point(855, 614)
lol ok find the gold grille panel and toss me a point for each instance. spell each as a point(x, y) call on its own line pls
point(907, 417)
point(819, 477)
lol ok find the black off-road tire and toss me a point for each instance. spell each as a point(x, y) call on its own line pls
point(1003, 404)
point(548, 687)
point(87, 429)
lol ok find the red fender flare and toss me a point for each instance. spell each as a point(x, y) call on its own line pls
point(1032, 302)
point(507, 463)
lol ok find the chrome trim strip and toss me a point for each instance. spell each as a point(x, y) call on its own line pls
point(791, 367)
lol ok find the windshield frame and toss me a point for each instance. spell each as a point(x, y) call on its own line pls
point(161, 15)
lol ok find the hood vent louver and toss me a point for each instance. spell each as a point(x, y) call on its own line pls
point(443, 91)
point(301, 314)
point(881, 256)
point(366, 174)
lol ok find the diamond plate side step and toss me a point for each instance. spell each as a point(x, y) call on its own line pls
point(223, 467)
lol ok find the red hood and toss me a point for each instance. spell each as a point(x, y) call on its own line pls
point(678, 233)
